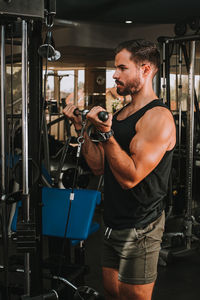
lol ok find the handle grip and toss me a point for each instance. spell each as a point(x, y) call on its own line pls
point(102, 115)
point(76, 112)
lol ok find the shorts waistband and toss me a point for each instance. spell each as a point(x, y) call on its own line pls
point(138, 226)
point(109, 230)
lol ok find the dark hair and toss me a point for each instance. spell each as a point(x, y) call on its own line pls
point(141, 50)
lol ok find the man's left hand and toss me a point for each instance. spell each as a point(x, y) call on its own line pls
point(94, 119)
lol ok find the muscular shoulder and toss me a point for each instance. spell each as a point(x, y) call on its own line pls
point(158, 115)
point(158, 122)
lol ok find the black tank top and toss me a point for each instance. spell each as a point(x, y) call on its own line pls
point(141, 205)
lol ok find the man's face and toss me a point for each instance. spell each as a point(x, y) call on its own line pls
point(127, 74)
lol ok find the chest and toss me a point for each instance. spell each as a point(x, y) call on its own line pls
point(124, 131)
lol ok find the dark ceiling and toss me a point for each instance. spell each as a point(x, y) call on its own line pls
point(139, 11)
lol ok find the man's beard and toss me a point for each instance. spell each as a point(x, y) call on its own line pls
point(131, 88)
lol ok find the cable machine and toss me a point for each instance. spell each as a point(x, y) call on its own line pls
point(29, 18)
point(168, 44)
point(31, 225)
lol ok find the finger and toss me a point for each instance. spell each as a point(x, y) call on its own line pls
point(93, 113)
point(69, 108)
point(69, 111)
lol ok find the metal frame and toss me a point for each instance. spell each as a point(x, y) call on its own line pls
point(25, 181)
point(35, 116)
point(3, 207)
point(191, 104)
point(3, 112)
point(32, 262)
point(190, 145)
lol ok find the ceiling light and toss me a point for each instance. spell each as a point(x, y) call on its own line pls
point(128, 21)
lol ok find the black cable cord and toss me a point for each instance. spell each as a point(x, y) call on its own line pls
point(6, 278)
point(11, 125)
point(68, 216)
point(12, 106)
point(43, 102)
point(63, 155)
point(171, 50)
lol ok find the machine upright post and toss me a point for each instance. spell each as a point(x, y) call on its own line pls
point(190, 146)
point(167, 74)
point(3, 207)
point(35, 116)
point(3, 112)
point(180, 111)
point(25, 185)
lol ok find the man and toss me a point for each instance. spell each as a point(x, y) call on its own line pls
point(135, 160)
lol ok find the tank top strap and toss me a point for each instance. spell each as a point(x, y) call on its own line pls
point(150, 105)
point(139, 113)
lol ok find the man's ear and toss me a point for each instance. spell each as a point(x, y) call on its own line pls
point(146, 68)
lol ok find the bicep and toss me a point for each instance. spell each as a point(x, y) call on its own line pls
point(148, 147)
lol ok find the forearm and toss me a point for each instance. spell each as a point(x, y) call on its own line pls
point(121, 164)
point(94, 155)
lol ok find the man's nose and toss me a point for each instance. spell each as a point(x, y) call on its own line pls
point(115, 75)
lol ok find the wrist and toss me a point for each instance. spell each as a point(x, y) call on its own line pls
point(105, 136)
point(103, 129)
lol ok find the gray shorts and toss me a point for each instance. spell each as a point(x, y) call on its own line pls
point(134, 252)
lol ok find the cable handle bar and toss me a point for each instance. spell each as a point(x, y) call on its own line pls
point(102, 115)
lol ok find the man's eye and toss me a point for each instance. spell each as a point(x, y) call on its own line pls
point(124, 68)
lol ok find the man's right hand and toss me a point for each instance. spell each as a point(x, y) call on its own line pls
point(68, 111)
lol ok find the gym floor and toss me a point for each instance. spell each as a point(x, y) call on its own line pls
point(180, 279)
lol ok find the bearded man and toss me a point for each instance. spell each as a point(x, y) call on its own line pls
point(135, 158)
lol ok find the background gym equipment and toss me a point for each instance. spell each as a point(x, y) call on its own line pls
point(24, 169)
point(29, 9)
point(47, 50)
point(80, 221)
point(182, 211)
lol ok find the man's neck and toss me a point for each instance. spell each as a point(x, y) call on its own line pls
point(142, 98)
